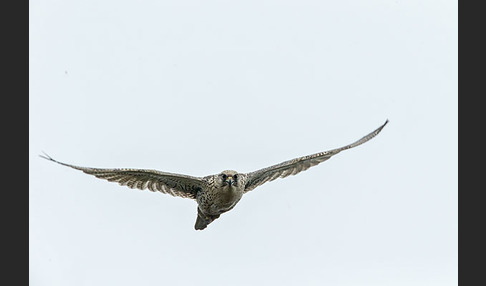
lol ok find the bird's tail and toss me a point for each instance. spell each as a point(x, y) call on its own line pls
point(200, 223)
point(203, 221)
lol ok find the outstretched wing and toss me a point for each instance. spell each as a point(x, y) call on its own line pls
point(297, 165)
point(168, 183)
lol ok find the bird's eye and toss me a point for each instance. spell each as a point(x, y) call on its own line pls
point(224, 176)
point(235, 176)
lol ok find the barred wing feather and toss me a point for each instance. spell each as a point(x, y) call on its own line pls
point(297, 165)
point(168, 183)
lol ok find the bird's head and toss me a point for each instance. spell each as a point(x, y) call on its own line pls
point(230, 178)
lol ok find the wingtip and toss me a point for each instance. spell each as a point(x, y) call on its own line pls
point(45, 156)
point(384, 124)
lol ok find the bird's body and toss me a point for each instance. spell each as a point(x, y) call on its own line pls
point(214, 194)
point(224, 191)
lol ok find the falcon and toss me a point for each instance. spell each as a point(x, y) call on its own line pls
point(214, 194)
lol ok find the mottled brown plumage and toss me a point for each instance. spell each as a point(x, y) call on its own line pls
point(214, 194)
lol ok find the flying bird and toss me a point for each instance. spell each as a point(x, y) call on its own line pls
point(214, 194)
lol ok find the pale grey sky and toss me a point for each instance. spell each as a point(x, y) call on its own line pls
point(197, 87)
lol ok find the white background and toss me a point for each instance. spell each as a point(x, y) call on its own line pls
point(197, 87)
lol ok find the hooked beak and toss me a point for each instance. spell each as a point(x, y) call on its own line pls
point(230, 181)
